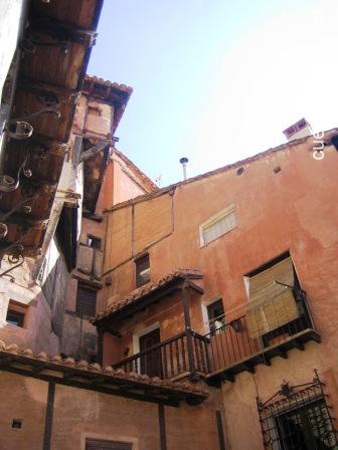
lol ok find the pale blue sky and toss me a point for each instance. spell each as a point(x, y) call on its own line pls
point(216, 80)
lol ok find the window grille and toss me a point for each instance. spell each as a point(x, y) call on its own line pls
point(298, 418)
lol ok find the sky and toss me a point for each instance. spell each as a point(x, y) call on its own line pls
point(216, 81)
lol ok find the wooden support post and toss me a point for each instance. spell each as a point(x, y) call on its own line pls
point(190, 346)
point(162, 427)
point(47, 435)
point(220, 433)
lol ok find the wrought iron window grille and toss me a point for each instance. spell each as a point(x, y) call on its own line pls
point(298, 418)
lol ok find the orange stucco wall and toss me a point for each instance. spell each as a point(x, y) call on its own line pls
point(79, 414)
point(284, 200)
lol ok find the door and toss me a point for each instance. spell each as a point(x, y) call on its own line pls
point(93, 444)
point(151, 361)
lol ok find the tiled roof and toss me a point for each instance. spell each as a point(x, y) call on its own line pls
point(109, 84)
point(59, 365)
point(138, 294)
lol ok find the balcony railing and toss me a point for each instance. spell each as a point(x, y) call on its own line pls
point(233, 349)
point(184, 354)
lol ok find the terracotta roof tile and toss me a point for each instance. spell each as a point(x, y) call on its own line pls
point(119, 303)
point(109, 84)
point(84, 366)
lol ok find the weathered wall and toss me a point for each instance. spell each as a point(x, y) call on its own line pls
point(120, 182)
point(24, 399)
point(285, 200)
point(290, 209)
point(79, 414)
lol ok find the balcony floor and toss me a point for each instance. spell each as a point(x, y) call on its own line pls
point(264, 356)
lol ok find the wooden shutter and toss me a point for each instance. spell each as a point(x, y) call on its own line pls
point(92, 444)
point(219, 227)
point(271, 304)
point(85, 302)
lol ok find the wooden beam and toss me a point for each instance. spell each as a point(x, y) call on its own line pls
point(47, 435)
point(93, 150)
point(162, 427)
point(220, 433)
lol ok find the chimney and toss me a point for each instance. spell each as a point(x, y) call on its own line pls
point(184, 162)
point(300, 129)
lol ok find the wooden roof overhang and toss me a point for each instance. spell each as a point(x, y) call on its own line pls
point(117, 96)
point(52, 61)
point(131, 306)
point(106, 381)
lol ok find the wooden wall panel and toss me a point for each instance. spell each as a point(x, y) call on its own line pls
point(152, 221)
point(119, 238)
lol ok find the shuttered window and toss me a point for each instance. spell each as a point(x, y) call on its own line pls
point(93, 444)
point(271, 300)
point(85, 302)
point(218, 225)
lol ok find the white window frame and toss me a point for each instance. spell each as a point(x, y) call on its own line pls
point(213, 220)
point(205, 311)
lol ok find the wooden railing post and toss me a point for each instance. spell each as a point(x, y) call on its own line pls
point(190, 345)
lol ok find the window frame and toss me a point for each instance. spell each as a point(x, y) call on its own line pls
point(139, 270)
point(17, 309)
point(213, 220)
point(96, 240)
point(205, 313)
point(84, 287)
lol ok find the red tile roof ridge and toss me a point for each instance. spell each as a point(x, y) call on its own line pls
point(84, 366)
point(118, 302)
point(108, 83)
point(217, 171)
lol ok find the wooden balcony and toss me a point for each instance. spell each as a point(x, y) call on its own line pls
point(233, 349)
point(230, 349)
point(185, 354)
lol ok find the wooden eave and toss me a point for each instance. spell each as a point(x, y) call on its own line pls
point(96, 380)
point(50, 76)
point(94, 170)
point(143, 301)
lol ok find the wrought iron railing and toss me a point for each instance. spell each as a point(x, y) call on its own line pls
point(233, 342)
point(185, 353)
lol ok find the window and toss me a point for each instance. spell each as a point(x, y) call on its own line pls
point(215, 312)
point(218, 225)
point(94, 242)
point(298, 418)
point(142, 270)
point(93, 444)
point(85, 301)
point(16, 314)
point(272, 302)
